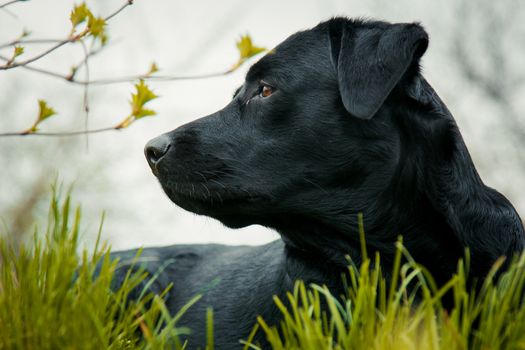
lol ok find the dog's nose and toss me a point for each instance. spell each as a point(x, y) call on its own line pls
point(155, 149)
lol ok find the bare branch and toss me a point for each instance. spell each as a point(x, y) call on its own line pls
point(84, 61)
point(245, 46)
point(60, 133)
point(39, 70)
point(85, 101)
point(30, 41)
point(128, 3)
point(71, 39)
point(45, 53)
point(156, 78)
point(10, 3)
point(127, 79)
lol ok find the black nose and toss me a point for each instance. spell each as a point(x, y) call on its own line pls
point(155, 149)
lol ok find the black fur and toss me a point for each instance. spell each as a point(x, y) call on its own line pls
point(351, 127)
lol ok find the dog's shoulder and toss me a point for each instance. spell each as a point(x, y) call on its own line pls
point(178, 257)
point(192, 267)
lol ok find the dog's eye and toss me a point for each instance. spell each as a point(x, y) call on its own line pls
point(265, 90)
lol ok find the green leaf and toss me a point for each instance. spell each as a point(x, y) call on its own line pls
point(44, 112)
point(142, 96)
point(246, 47)
point(144, 113)
point(25, 33)
point(18, 51)
point(79, 14)
point(246, 50)
point(103, 38)
point(97, 28)
point(153, 69)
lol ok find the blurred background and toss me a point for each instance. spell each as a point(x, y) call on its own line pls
point(475, 62)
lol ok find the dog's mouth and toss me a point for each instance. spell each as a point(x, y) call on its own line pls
point(209, 197)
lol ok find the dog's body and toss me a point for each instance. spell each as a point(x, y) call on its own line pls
point(239, 282)
point(335, 121)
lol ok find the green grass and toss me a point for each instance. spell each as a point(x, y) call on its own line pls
point(407, 314)
point(51, 298)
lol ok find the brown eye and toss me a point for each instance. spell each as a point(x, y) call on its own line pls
point(266, 91)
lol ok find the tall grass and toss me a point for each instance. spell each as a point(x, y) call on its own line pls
point(51, 297)
point(407, 314)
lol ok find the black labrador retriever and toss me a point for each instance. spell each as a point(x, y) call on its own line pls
point(335, 121)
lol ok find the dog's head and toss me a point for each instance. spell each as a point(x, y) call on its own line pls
point(298, 130)
point(334, 121)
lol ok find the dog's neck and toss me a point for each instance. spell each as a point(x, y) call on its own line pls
point(311, 268)
point(395, 207)
point(433, 190)
point(337, 242)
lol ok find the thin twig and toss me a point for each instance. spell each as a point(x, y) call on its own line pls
point(45, 53)
point(128, 79)
point(30, 41)
point(39, 70)
point(92, 53)
point(10, 3)
point(128, 3)
point(85, 101)
point(59, 133)
point(155, 78)
point(87, 81)
point(71, 39)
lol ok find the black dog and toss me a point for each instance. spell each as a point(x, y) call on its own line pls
point(335, 121)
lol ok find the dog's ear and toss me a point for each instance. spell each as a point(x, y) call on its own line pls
point(370, 61)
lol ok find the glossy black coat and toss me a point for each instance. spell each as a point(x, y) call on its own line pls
point(351, 127)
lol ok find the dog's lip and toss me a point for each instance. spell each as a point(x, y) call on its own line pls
point(154, 170)
point(218, 198)
point(210, 198)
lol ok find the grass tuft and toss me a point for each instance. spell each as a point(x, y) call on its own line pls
point(51, 297)
point(409, 314)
